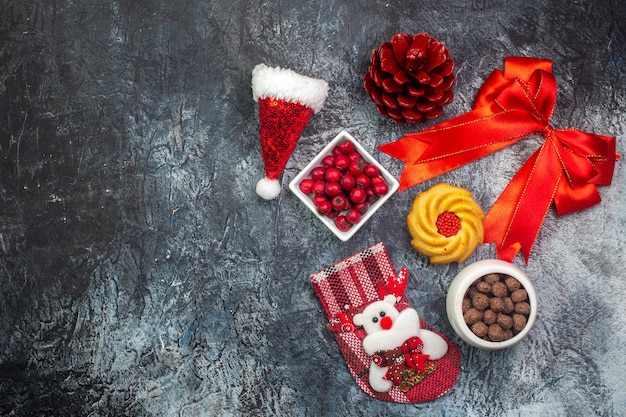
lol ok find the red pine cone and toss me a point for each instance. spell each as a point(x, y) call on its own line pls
point(410, 78)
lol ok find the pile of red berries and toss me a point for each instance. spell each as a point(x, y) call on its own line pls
point(344, 186)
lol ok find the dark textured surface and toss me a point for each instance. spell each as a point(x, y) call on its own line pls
point(141, 275)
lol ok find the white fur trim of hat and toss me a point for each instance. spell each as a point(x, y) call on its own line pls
point(285, 84)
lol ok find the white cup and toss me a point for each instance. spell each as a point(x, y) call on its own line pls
point(464, 279)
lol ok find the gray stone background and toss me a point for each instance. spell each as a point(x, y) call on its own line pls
point(140, 275)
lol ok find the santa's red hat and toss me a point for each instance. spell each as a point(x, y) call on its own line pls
point(286, 101)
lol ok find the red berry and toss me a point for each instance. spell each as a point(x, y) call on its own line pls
point(333, 214)
point(318, 173)
point(345, 147)
point(319, 187)
point(380, 188)
point(324, 207)
point(339, 202)
point(358, 195)
point(371, 170)
point(333, 189)
point(306, 186)
point(318, 198)
point(371, 195)
point(356, 168)
point(329, 161)
point(347, 182)
point(332, 175)
point(361, 207)
point(353, 216)
point(342, 223)
point(363, 181)
point(354, 156)
point(342, 162)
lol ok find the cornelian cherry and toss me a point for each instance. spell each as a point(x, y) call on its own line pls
point(356, 168)
point(353, 216)
point(358, 195)
point(342, 162)
point(324, 207)
point(361, 207)
point(332, 175)
point(318, 198)
point(339, 202)
point(363, 181)
point(342, 223)
point(319, 187)
point(380, 188)
point(354, 156)
point(371, 195)
point(306, 186)
point(318, 173)
point(333, 189)
point(329, 161)
point(348, 182)
point(371, 170)
point(345, 147)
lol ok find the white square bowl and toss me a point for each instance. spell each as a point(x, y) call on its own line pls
point(317, 161)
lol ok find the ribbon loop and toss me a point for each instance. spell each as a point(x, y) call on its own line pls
point(511, 105)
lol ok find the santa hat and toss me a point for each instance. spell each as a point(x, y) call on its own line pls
point(286, 102)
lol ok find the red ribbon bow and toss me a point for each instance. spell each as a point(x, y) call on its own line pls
point(412, 352)
point(511, 105)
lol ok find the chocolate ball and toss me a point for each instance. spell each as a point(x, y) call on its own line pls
point(519, 322)
point(509, 306)
point(480, 329)
point(471, 292)
point(495, 333)
point(519, 295)
point(505, 321)
point(472, 316)
point(480, 301)
point(508, 333)
point(499, 289)
point(512, 284)
point(467, 304)
point(491, 278)
point(483, 287)
point(496, 304)
point(489, 316)
point(522, 308)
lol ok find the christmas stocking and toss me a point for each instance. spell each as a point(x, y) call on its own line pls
point(392, 354)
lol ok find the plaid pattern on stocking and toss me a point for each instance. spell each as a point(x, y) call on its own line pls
point(346, 288)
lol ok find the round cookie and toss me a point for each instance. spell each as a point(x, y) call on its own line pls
point(445, 224)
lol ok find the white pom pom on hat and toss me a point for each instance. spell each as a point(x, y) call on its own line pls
point(267, 188)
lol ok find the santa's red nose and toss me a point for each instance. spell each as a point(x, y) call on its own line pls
point(386, 323)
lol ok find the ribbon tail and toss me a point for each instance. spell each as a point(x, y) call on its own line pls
point(458, 141)
point(407, 149)
point(514, 221)
point(569, 199)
